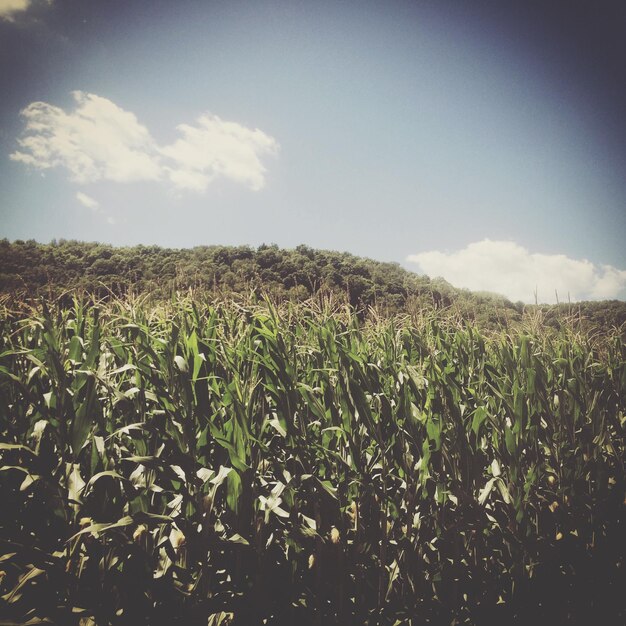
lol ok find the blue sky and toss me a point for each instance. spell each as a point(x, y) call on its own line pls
point(480, 141)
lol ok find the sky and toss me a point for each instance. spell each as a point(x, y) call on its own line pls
point(480, 141)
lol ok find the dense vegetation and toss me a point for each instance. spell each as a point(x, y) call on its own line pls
point(212, 462)
point(293, 274)
point(29, 269)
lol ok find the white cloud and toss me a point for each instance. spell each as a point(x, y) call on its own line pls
point(507, 268)
point(94, 205)
point(8, 8)
point(101, 141)
point(216, 148)
point(98, 140)
point(87, 201)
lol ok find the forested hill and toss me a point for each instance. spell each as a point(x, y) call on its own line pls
point(33, 269)
point(30, 269)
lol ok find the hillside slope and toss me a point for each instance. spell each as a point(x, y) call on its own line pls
point(30, 269)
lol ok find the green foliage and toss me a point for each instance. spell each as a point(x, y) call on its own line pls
point(294, 464)
point(30, 269)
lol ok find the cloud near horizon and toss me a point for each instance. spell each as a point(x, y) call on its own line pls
point(101, 141)
point(509, 269)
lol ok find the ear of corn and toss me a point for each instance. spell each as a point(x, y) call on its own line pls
point(185, 463)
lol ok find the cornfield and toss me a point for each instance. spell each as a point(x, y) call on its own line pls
point(255, 464)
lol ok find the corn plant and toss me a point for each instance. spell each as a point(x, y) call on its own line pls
point(244, 463)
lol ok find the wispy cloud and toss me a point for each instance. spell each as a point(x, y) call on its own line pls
point(507, 268)
point(217, 148)
point(101, 141)
point(94, 206)
point(10, 8)
point(98, 140)
point(87, 201)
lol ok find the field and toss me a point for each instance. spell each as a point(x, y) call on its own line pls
point(224, 463)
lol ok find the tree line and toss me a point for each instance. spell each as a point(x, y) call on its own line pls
point(29, 269)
